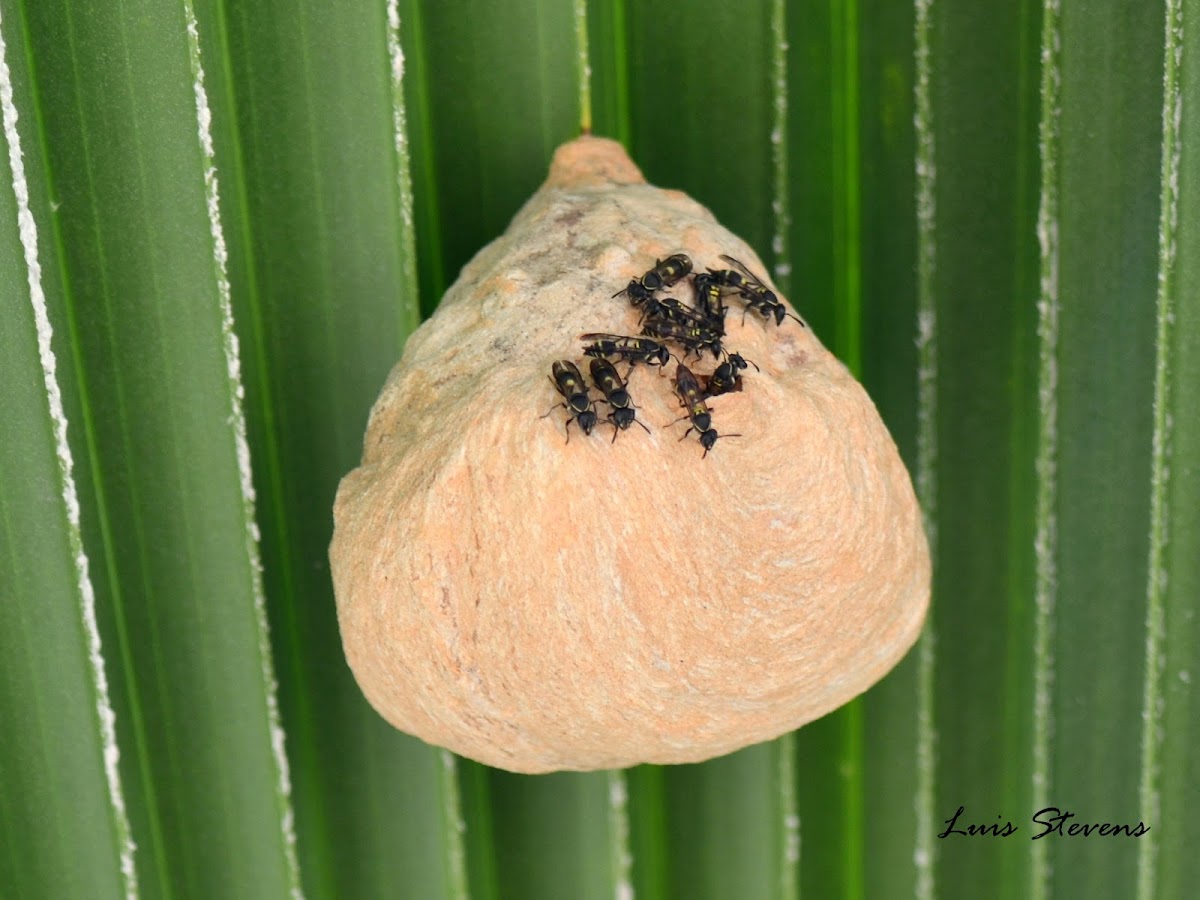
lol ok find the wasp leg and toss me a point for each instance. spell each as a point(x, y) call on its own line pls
point(557, 405)
point(569, 421)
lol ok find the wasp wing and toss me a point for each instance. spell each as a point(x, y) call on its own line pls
point(741, 268)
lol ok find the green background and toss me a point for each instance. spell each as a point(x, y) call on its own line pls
point(218, 223)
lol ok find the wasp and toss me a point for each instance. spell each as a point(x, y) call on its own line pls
point(749, 286)
point(637, 293)
point(688, 389)
point(605, 377)
point(667, 271)
point(708, 299)
point(664, 274)
point(726, 378)
point(696, 336)
point(568, 382)
point(673, 311)
point(632, 349)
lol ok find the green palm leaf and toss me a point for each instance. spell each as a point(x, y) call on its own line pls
point(985, 210)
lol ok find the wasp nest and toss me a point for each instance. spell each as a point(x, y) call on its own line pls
point(535, 604)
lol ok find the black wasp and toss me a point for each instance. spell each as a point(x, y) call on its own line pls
point(688, 389)
point(749, 286)
point(605, 377)
point(631, 349)
point(695, 336)
point(708, 300)
point(568, 382)
point(664, 274)
point(667, 271)
point(673, 311)
point(726, 378)
point(637, 294)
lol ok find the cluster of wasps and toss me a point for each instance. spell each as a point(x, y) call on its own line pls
point(696, 329)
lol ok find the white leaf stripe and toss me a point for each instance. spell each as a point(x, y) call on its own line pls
point(408, 255)
point(1046, 534)
point(618, 829)
point(1150, 799)
point(781, 213)
point(238, 420)
point(781, 267)
point(585, 65)
point(926, 179)
point(87, 599)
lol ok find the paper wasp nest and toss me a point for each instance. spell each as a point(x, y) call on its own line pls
point(539, 605)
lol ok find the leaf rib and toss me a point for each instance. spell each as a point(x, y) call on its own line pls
point(411, 309)
point(105, 717)
point(1149, 790)
point(1045, 541)
point(788, 824)
point(927, 424)
point(238, 419)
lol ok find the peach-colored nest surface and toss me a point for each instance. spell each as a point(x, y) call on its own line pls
point(538, 605)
